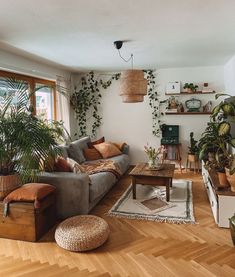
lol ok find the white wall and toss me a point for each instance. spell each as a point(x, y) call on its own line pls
point(20, 64)
point(229, 76)
point(132, 122)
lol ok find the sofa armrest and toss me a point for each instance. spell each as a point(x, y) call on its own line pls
point(72, 192)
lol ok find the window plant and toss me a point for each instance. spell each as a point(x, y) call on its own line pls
point(216, 140)
point(26, 141)
point(190, 87)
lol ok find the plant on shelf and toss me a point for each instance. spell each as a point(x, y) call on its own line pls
point(216, 140)
point(26, 141)
point(190, 87)
point(85, 101)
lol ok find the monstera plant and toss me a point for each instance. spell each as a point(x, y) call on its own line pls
point(26, 141)
point(216, 141)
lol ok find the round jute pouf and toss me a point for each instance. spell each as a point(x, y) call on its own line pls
point(82, 233)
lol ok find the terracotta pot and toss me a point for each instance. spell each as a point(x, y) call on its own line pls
point(8, 183)
point(192, 158)
point(189, 90)
point(231, 179)
point(223, 182)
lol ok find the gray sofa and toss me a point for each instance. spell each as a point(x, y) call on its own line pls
point(79, 193)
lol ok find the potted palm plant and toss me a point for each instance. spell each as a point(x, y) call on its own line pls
point(26, 141)
point(215, 141)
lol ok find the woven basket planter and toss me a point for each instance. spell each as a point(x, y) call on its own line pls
point(82, 233)
point(8, 183)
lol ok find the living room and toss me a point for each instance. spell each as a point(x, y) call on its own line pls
point(118, 82)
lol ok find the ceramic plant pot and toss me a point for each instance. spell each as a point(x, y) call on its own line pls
point(223, 182)
point(232, 228)
point(231, 179)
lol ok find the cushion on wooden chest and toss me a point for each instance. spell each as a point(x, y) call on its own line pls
point(32, 192)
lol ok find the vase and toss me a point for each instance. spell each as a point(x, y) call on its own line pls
point(232, 228)
point(151, 163)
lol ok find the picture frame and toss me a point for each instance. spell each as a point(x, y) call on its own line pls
point(173, 87)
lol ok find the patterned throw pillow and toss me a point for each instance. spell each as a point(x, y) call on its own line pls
point(98, 141)
point(61, 165)
point(107, 150)
point(91, 154)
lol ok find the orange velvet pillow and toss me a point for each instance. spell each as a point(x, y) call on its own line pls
point(91, 154)
point(98, 141)
point(107, 150)
point(32, 192)
point(61, 165)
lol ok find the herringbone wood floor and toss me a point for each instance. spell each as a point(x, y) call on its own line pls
point(135, 248)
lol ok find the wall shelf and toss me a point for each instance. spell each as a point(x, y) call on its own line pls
point(187, 93)
point(188, 113)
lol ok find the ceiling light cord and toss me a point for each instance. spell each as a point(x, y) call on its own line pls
point(127, 60)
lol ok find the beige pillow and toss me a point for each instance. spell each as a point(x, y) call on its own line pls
point(75, 167)
point(107, 149)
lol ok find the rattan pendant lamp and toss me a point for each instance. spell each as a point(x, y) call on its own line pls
point(133, 86)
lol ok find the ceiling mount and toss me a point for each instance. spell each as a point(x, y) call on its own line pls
point(118, 44)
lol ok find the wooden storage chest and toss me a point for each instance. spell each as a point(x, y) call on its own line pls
point(24, 222)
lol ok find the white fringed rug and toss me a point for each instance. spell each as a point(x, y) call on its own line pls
point(151, 203)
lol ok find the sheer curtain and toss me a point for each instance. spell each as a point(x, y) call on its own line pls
point(63, 90)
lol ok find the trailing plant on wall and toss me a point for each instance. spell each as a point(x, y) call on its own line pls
point(154, 102)
point(85, 101)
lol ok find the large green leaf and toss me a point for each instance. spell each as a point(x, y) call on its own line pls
point(232, 142)
point(228, 108)
point(224, 128)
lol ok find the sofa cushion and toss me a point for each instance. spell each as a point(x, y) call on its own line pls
point(76, 148)
point(107, 149)
point(91, 154)
point(64, 150)
point(61, 165)
point(100, 183)
point(98, 141)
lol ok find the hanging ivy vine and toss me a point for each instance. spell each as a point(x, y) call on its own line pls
point(85, 101)
point(154, 102)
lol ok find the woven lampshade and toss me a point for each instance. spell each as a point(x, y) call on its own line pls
point(133, 86)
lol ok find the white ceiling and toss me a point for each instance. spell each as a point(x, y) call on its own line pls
point(79, 34)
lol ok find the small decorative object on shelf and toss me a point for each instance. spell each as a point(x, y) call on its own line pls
point(173, 104)
point(173, 88)
point(232, 227)
point(193, 105)
point(206, 89)
point(180, 108)
point(207, 107)
point(190, 87)
point(154, 156)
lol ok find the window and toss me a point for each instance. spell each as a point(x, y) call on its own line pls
point(43, 93)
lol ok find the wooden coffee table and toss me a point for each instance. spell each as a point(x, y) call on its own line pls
point(141, 174)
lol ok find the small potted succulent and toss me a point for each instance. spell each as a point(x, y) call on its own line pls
point(190, 87)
